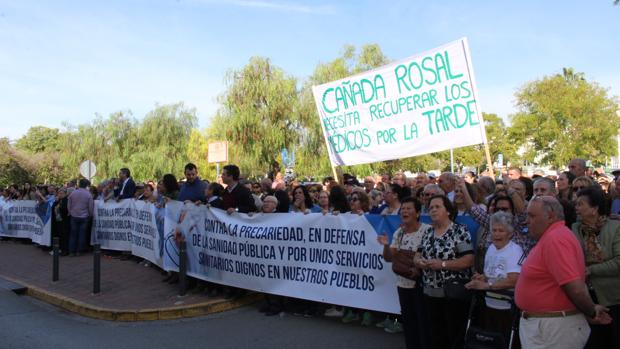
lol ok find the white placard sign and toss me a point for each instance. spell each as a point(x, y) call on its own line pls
point(423, 104)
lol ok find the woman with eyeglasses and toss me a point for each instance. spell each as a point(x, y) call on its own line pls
point(600, 239)
point(359, 202)
point(564, 185)
point(580, 183)
point(392, 196)
point(429, 191)
point(445, 254)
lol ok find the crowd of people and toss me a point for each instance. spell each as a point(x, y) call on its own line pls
point(548, 245)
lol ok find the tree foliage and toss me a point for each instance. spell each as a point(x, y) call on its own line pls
point(257, 116)
point(39, 139)
point(150, 148)
point(564, 116)
point(14, 165)
point(197, 150)
point(264, 110)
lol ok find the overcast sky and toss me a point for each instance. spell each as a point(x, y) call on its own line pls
point(64, 61)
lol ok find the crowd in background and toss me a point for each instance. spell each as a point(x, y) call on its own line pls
point(439, 261)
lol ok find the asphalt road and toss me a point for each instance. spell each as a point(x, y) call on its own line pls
point(28, 323)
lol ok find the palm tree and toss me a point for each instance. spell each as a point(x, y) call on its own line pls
point(570, 75)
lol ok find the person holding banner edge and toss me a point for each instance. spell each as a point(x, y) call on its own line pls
point(236, 197)
point(405, 242)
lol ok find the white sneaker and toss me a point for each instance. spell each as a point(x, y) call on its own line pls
point(333, 312)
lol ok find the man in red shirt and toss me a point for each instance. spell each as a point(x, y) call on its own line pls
point(551, 289)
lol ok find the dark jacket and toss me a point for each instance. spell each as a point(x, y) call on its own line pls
point(240, 198)
point(128, 192)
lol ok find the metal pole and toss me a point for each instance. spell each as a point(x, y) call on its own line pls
point(182, 268)
point(97, 269)
point(217, 171)
point(451, 160)
point(56, 254)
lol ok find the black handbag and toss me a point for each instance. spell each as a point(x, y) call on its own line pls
point(455, 289)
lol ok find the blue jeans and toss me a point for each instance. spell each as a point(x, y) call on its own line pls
point(77, 237)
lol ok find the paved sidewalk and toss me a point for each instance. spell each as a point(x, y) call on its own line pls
point(129, 291)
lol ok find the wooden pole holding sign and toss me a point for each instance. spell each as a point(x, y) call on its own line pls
point(488, 155)
point(338, 174)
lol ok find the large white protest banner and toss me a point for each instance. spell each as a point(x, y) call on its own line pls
point(112, 224)
point(423, 104)
point(27, 219)
point(334, 259)
point(128, 225)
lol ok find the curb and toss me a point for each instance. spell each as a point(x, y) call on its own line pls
point(169, 313)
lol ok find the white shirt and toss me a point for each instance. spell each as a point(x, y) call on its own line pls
point(123, 187)
point(497, 265)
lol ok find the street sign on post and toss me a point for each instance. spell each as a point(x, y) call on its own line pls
point(218, 152)
point(88, 169)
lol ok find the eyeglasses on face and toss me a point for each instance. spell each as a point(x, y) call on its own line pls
point(355, 199)
point(578, 188)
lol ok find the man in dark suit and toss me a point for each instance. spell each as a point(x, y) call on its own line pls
point(127, 187)
point(236, 197)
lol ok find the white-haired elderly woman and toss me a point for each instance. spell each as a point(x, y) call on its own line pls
point(502, 265)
